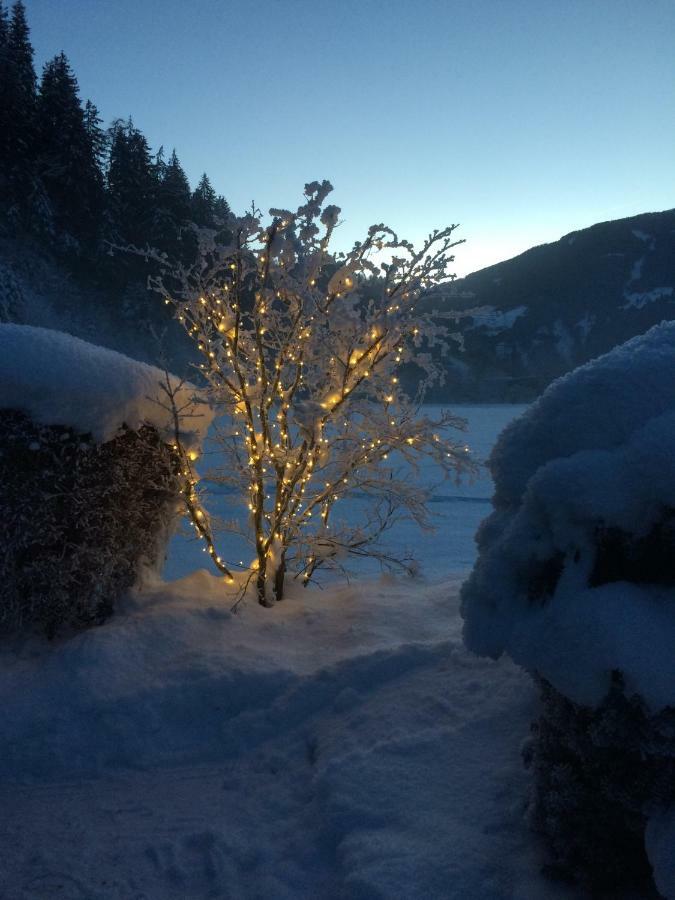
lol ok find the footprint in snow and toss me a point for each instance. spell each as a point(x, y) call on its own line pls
point(201, 860)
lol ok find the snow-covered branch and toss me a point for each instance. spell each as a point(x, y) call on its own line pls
point(301, 350)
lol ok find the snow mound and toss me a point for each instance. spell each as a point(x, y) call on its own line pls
point(568, 580)
point(57, 379)
point(597, 406)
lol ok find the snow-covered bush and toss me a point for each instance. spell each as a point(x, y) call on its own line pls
point(302, 350)
point(576, 582)
point(89, 481)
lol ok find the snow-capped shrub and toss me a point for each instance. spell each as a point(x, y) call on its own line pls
point(89, 482)
point(599, 772)
point(576, 582)
point(80, 520)
point(57, 379)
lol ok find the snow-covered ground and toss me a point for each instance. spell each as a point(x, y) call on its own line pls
point(343, 745)
point(458, 508)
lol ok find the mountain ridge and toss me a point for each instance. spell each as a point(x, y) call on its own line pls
point(541, 313)
point(557, 305)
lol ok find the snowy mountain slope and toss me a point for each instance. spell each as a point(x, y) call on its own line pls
point(345, 747)
point(558, 305)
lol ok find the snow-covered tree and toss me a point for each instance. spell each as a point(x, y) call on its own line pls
point(302, 364)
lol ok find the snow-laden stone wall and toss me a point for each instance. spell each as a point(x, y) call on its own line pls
point(575, 581)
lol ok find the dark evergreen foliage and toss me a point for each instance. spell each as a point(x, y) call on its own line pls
point(132, 185)
point(80, 520)
point(173, 211)
point(67, 163)
point(222, 210)
point(5, 81)
point(598, 774)
point(97, 137)
point(17, 107)
point(639, 559)
point(204, 203)
point(175, 191)
point(79, 190)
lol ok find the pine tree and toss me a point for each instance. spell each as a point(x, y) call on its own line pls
point(174, 193)
point(97, 138)
point(132, 186)
point(4, 43)
point(173, 212)
point(204, 203)
point(17, 103)
point(67, 161)
point(222, 210)
point(159, 165)
point(4, 27)
point(23, 82)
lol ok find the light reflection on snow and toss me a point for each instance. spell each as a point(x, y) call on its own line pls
point(458, 509)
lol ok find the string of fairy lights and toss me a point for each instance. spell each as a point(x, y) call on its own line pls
point(272, 347)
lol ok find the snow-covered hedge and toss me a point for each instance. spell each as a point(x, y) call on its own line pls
point(576, 582)
point(88, 481)
point(57, 379)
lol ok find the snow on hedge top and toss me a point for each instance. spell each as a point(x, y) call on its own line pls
point(592, 460)
point(596, 406)
point(57, 379)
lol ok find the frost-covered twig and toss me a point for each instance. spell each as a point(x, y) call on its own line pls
point(301, 353)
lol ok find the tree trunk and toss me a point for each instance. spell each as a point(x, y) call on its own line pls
point(279, 579)
point(260, 587)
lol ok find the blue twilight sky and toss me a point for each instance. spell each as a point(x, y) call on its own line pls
point(520, 119)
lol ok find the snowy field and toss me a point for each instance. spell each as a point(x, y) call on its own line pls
point(343, 745)
point(457, 508)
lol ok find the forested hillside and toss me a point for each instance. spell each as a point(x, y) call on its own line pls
point(72, 191)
